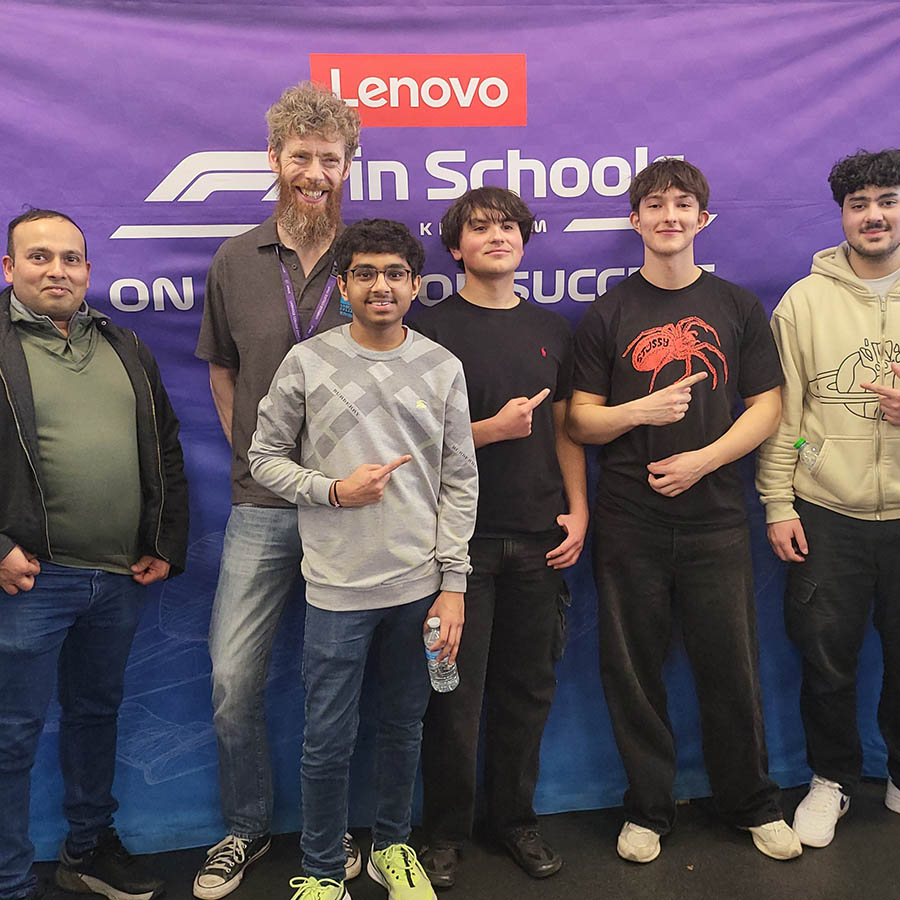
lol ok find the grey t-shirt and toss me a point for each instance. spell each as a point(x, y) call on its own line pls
point(246, 327)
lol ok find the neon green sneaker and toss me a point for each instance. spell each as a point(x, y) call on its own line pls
point(309, 888)
point(397, 869)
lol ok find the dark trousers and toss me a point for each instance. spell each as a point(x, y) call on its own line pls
point(853, 565)
point(645, 572)
point(510, 642)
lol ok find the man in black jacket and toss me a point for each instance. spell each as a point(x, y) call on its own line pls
point(93, 506)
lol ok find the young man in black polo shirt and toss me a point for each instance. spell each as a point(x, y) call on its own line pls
point(532, 518)
point(661, 360)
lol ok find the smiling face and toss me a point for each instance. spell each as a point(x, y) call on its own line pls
point(870, 218)
point(311, 172)
point(489, 246)
point(668, 221)
point(380, 305)
point(48, 269)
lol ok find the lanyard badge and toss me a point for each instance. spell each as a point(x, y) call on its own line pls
point(291, 302)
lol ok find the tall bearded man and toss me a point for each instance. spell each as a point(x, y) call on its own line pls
point(266, 290)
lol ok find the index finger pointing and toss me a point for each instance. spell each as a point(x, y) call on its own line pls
point(692, 379)
point(538, 398)
point(387, 468)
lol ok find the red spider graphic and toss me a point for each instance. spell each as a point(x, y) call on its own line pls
point(657, 347)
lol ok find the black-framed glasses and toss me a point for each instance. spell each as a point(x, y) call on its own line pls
point(368, 275)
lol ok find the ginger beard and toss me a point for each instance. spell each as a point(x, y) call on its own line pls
point(306, 223)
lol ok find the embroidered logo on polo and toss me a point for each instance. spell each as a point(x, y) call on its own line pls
point(682, 341)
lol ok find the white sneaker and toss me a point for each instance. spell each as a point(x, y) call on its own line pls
point(637, 843)
point(819, 812)
point(892, 797)
point(776, 840)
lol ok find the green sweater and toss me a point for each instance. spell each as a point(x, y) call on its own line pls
point(87, 440)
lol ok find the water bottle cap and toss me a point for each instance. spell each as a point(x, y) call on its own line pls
point(800, 443)
point(434, 622)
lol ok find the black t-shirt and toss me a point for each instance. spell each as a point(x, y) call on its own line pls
point(637, 338)
point(510, 353)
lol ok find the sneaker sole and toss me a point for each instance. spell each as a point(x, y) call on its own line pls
point(817, 841)
point(378, 878)
point(223, 890)
point(87, 884)
point(351, 870)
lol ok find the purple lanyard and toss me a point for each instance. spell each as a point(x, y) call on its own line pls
point(291, 301)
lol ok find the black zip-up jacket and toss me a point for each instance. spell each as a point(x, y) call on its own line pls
point(164, 507)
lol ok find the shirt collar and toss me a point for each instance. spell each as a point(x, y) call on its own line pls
point(19, 312)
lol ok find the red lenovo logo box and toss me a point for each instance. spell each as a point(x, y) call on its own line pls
point(443, 89)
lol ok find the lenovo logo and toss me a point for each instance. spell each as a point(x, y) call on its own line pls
point(400, 90)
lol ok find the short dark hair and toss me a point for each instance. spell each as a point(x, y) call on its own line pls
point(35, 215)
point(500, 204)
point(667, 173)
point(854, 172)
point(378, 236)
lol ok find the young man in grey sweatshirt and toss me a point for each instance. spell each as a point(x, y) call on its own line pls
point(386, 492)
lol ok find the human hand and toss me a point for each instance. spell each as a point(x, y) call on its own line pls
point(668, 405)
point(888, 397)
point(784, 536)
point(675, 474)
point(514, 418)
point(18, 570)
point(149, 569)
point(366, 485)
point(450, 607)
point(567, 553)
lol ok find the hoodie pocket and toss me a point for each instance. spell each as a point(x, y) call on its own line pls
point(844, 474)
point(890, 466)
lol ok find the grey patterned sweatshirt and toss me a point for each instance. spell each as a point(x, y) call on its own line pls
point(347, 405)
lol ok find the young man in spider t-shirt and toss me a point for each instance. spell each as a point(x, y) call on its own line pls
point(661, 360)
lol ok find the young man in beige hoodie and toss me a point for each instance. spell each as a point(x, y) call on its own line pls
point(834, 514)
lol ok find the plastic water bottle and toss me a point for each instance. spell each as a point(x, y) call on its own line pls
point(809, 453)
point(443, 674)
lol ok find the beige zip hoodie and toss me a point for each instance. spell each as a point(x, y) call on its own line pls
point(832, 334)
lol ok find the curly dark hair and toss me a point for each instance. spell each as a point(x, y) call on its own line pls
point(500, 204)
point(378, 236)
point(35, 215)
point(854, 172)
point(664, 174)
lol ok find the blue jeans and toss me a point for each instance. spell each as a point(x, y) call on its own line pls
point(73, 628)
point(260, 563)
point(334, 658)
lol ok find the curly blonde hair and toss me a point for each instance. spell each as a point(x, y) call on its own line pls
point(309, 108)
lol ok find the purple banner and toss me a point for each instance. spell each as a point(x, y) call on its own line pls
point(145, 123)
